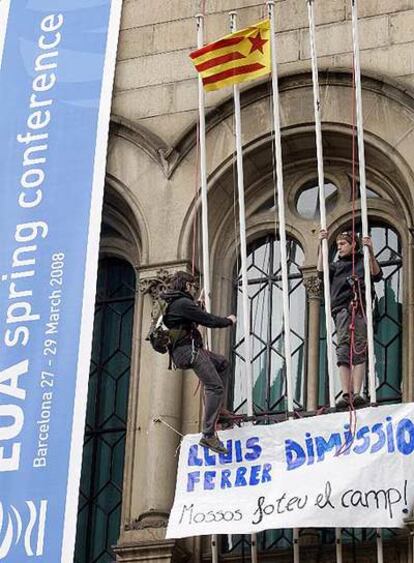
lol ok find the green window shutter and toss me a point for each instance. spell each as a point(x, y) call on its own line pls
point(100, 495)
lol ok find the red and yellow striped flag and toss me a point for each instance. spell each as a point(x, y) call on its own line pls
point(243, 55)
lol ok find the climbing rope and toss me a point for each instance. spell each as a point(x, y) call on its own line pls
point(159, 419)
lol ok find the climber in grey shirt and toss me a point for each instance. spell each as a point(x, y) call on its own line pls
point(344, 286)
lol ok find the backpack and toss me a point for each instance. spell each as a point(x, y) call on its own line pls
point(159, 334)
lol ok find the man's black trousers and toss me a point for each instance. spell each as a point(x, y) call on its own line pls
point(212, 370)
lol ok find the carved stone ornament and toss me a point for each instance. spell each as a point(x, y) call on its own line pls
point(150, 519)
point(156, 285)
point(313, 287)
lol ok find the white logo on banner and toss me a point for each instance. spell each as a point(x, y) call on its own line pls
point(313, 472)
point(27, 526)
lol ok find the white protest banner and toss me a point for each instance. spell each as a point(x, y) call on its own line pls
point(298, 474)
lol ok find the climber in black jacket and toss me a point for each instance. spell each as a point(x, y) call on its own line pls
point(187, 351)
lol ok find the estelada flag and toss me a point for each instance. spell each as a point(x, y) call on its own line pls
point(237, 57)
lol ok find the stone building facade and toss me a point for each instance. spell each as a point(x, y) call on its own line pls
point(151, 228)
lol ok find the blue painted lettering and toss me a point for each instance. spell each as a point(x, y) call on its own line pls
point(192, 479)
point(240, 477)
point(361, 435)
point(225, 481)
point(209, 477)
point(255, 475)
point(193, 458)
point(295, 455)
point(405, 436)
point(323, 446)
point(266, 477)
point(253, 444)
point(379, 444)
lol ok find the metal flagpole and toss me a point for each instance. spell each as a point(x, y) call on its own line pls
point(282, 231)
point(253, 549)
point(338, 544)
point(203, 176)
point(281, 209)
point(380, 555)
point(364, 220)
point(243, 255)
point(243, 245)
point(296, 552)
point(321, 182)
point(214, 549)
point(204, 212)
point(364, 210)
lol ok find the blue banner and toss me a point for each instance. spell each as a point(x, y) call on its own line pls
point(57, 61)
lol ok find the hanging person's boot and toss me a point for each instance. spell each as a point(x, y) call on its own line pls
point(214, 444)
point(358, 400)
point(343, 402)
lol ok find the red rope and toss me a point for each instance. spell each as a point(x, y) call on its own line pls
point(353, 169)
point(353, 313)
point(354, 305)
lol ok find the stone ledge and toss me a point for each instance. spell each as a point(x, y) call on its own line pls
point(157, 550)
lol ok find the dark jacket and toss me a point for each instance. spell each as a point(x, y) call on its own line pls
point(340, 276)
point(185, 314)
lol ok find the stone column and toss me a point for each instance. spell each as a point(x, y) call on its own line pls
point(153, 460)
point(313, 291)
point(309, 537)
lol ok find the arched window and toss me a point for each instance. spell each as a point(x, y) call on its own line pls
point(388, 330)
point(264, 279)
point(302, 213)
point(266, 318)
point(106, 419)
point(307, 202)
point(267, 334)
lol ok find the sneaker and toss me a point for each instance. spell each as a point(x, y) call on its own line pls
point(359, 401)
point(214, 444)
point(343, 402)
